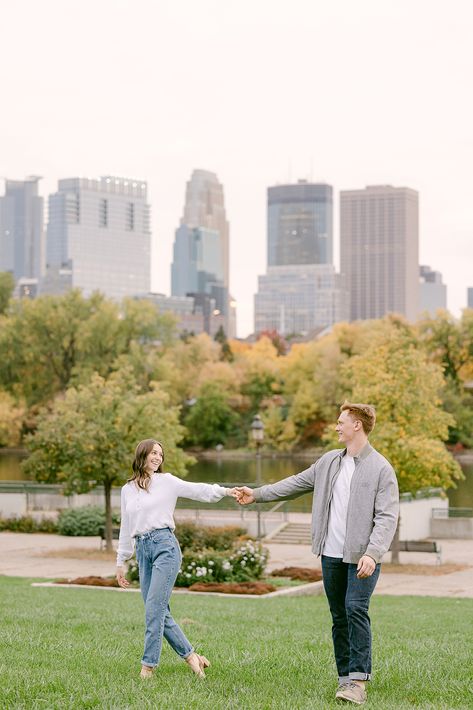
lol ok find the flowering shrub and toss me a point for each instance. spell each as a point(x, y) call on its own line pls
point(244, 563)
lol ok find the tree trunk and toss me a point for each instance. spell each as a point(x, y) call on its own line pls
point(395, 544)
point(108, 516)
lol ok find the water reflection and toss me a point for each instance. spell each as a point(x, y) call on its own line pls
point(244, 471)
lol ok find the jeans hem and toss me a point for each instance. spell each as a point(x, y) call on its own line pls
point(147, 663)
point(359, 676)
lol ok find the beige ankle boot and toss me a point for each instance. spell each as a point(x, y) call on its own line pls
point(196, 664)
point(146, 672)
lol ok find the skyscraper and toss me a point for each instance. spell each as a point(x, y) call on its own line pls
point(433, 292)
point(21, 229)
point(201, 247)
point(99, 237)
point(300, 290)
point(298, 299)
point(469, 297)
point(379, 251)
point(300, 224)
point(197, 265)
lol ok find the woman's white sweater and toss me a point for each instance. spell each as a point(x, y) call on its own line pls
point(142, 511)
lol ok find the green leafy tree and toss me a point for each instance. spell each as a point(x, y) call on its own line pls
point(444, 340)
point(11, 420)
point(88, 436)
point(398, 379)
point(50, 342)
point(210, 420)
point(7, 284)
point(225, 349)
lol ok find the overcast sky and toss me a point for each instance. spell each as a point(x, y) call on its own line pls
point(349, 92)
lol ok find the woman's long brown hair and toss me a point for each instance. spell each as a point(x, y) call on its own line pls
point(140, 475)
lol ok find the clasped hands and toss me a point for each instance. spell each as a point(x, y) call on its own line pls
point(242, 494)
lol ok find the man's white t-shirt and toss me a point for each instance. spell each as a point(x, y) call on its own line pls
point(337, 522)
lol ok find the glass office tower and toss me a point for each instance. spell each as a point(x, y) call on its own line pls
point(300, 224)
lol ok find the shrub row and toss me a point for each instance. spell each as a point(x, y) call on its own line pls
point(81, 522)
point(202, 537)
point(27, 524)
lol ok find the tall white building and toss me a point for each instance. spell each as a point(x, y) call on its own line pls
point(379, 251)
point(296, 299)
point(99, 237)
point(21, 229)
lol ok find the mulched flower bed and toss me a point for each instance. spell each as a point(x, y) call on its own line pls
point(257, 588)
point(305, 574)
point(91, 581)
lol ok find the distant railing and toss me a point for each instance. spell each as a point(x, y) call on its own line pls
point(423, 493)
point(452, 512)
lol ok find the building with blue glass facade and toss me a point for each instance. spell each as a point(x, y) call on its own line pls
point(21, 229)
point(197, 265)
point(300, 224)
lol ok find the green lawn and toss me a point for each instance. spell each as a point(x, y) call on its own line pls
point(74, 648)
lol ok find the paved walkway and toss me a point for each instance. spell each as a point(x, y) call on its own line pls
point(25, 555)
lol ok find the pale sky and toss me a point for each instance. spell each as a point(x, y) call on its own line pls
point(349, 92)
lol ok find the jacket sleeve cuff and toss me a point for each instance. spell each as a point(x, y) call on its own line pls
point(374, 554)
point(257, 494)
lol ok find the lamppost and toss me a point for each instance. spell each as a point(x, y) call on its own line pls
point(257, 433)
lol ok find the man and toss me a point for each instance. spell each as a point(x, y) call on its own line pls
point(354, 518)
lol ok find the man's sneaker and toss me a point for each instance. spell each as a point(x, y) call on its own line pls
point(352, 693)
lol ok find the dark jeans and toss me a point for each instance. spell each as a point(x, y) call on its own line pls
point(349, 599)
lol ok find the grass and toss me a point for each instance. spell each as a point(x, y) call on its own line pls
point(73, 648)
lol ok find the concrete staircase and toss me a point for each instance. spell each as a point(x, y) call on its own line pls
point(291, 534)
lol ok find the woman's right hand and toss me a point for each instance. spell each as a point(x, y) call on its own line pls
point(121, 579)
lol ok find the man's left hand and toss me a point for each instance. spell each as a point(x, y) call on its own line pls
point(366, 567)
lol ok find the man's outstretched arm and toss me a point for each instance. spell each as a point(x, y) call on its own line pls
point(288, 488)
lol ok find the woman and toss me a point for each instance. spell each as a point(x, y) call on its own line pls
point(148, 500)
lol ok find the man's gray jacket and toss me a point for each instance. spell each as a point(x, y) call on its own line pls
point(373, 506)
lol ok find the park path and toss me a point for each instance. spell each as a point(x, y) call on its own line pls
point(27, 555)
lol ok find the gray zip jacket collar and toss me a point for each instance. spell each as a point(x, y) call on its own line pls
point(373, 506)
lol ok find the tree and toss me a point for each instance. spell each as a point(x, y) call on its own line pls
point(449, 342)
point(445, 342)
point(225, 349)
point(210, 420)
point(88, 436)
point(11, 420)
point(50, 342)
point(397, 378)
point(7, 284)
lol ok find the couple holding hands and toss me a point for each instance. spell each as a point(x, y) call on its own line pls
point(354, 517)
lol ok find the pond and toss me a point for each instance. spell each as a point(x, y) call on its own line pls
point(234, 471)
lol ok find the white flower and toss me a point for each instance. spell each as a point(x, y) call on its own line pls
point(226, 565)
point(243, 563)
point(211, 563)
point(188, 575)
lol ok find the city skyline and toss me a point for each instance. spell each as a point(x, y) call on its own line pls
point(381, 105)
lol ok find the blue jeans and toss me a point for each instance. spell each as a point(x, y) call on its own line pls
point(349, 599)
point(159, 558)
